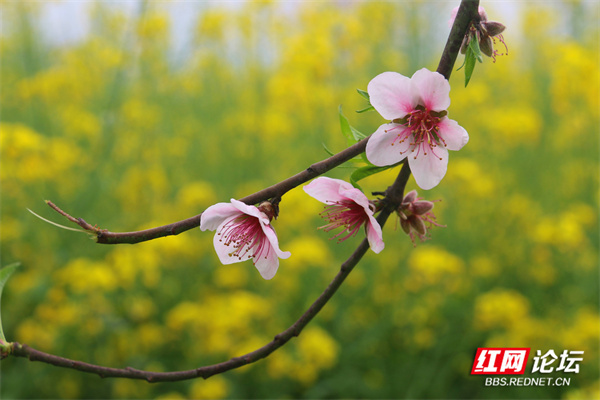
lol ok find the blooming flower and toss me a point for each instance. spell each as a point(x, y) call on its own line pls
point(244, 232)
point(414, 213)
point(348, 208)
point(419, 129)
point(486, 32)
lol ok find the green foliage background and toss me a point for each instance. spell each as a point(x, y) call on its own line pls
point(125, 132)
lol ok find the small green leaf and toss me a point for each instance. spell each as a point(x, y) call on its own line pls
point(364, 172)
point(331, 153)
point(355, 183)
point(469, 65)
point(463, 64)
point(474, 46)
point(364, 94)
point(358, 136)
point(345, 125)
point(350, 132)
point(370, 108)
point(357, 159)
point(363, 155)
point(5, 273)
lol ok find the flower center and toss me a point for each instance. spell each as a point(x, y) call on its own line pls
point(423, 131)
point(245, 235)
point(346, 214)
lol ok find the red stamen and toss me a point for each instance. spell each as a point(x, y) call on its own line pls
point(245, 235)
point(424, 131)
point(345, 214)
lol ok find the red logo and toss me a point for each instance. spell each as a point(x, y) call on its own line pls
point(500, 361)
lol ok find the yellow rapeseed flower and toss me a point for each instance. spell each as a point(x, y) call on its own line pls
point(213, 388)
point(500, 308)
point(430, 265)
point(317, 351)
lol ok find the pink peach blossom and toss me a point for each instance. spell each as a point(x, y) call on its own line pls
point(244, 232)
point(420, 128)
point(348, 208)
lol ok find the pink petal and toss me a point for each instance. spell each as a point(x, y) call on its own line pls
point(391, 95)
point(272, 238)
point(452, 16)
point(429, 170)
point(358, 197)
point(268, 263)
point(482, 13)
point(383, 148)
point(250, 210)
point(374, 235)
point(224, 252)
point(327, 190)
point(214, 215)
point(453, 134)
point(433, 89)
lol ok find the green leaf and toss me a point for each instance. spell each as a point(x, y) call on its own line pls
point(474, 46)
point(363, 155)
point(357, 159)
point(469, 65)
point(5, 273)
point(345, 125)
point(364, 94)
point(364, 172)
point(351, 134)
point(355, 183)
point(463, 64)
point(370, 108)
point(358, 136)
point(331, 153)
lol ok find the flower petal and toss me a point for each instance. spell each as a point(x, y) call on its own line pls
point(268, 263)
point(374, 235)
point(482, 13)
point(430, 169)
point(433, 89)
point(452, 16)
point(250, 210)
point(391, 95)
point(453, 134)
point(214, 215)
point(272, 237)
point(383, 148)
point(327, 190)
point(358, 197)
